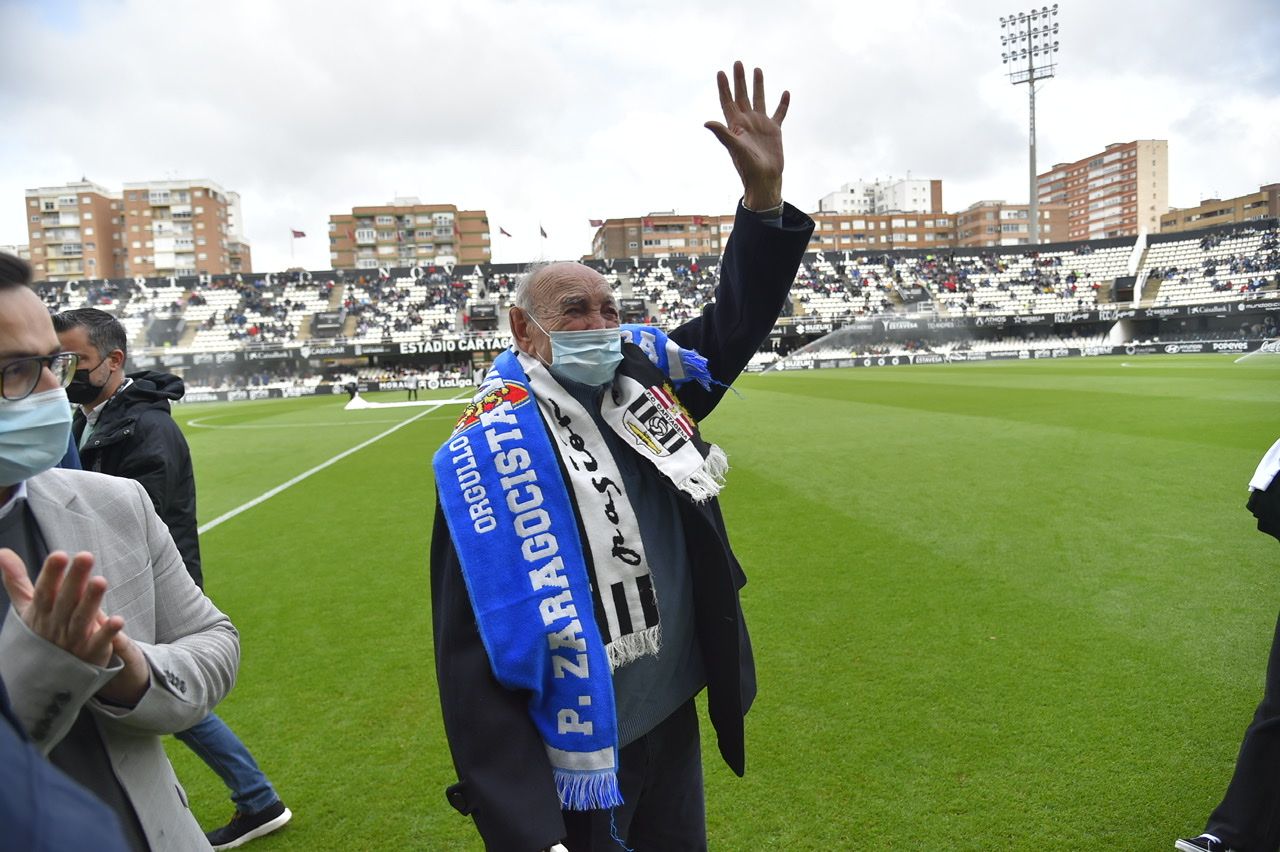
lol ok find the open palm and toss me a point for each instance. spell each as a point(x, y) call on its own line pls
point(753, 136)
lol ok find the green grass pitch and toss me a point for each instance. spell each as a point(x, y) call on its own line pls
point(1014, 605)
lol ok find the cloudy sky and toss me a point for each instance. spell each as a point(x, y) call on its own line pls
point(554, 112)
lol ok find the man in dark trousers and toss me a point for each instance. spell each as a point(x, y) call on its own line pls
point(124, 427)
point(569, 406)
point(1248, 818)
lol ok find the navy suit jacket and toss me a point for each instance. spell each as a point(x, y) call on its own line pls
point(41, 809)
point(505, 778)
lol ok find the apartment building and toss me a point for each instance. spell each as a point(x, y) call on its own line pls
point(1120, 191)
point(884, 196)
point(885, 231)
point(673, 235)
point(182, 227)
point(1263, 204)
point(73, 231)
point(663, 234)
point(996, 223)
point(406, 232)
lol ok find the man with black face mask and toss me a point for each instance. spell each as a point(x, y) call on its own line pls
point(124, 427)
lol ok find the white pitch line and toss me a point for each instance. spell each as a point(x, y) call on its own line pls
point(267, 495)
point(202, 425)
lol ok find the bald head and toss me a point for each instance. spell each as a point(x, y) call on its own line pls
point(560, 297)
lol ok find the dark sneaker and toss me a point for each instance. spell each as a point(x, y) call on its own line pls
point(1203, 843)
point(246, 827)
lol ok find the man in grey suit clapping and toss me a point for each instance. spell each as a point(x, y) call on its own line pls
point(106, 642)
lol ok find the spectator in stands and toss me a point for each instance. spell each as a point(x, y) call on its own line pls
point(649, 774)
point(124, 428)
point(92, 688)
point(1246, 817)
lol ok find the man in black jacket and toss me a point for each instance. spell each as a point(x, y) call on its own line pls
point(1248, 817)
point(124, 427)
point(505, 775)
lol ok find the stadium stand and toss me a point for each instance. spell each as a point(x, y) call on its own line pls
point(399, 311)
point(840, 291)
point(1030, 282)
point(1238, 263)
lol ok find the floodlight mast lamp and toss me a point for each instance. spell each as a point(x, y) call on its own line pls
point(1030, 37)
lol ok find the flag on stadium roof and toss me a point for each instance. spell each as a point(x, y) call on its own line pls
point(543, 231)
point(503, 231)
point(297, 235)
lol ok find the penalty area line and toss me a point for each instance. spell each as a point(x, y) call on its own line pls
point(267, 495)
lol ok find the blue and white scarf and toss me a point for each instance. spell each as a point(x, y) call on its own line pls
point(557, 614)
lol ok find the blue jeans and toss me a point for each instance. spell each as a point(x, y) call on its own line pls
point(219, 747)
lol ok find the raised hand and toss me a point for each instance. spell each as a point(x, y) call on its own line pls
point(753, 137)
point(63, 607)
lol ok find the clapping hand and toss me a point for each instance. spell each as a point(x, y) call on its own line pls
point(64, 607)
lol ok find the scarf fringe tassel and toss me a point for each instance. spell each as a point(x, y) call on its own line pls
point(695, 368)
point(633, 646)
point(587, 791)
point(708, 479)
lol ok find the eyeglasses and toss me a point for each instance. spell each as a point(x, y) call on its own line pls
point(19, 378)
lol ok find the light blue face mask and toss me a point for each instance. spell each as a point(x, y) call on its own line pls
point(590, 357)
point(34, 432)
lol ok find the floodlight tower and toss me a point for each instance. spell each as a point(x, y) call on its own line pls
point(1030, 40)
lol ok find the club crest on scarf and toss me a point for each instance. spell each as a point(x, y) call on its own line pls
point(490, 396)
point(658, 421)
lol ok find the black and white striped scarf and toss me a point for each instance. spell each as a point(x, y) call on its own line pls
point(640, 406)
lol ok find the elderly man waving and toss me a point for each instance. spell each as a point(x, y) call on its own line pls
point(583, 588)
